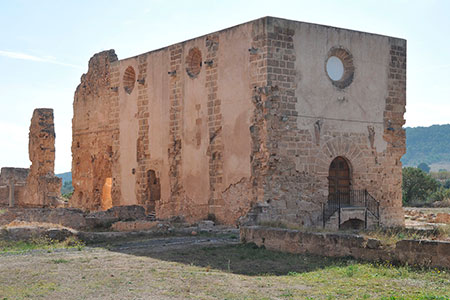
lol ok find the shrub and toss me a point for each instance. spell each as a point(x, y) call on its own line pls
point(440, 195)
point(417, 186)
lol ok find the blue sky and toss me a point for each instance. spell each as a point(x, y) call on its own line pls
point(45, 47)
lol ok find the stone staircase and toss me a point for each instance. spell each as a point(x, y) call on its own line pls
point(355, 210)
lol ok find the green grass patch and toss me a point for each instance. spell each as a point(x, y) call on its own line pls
point(323, 277)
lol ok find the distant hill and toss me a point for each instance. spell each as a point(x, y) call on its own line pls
point(66, 182)
point(430, 145)
point(65, 176)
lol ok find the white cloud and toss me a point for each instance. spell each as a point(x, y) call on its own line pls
point(46, 59)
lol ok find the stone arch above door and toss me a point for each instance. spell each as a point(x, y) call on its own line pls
point(346, 147)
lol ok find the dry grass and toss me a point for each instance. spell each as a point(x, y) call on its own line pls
point(429, 210)
point(390, 236)
point(16, 223)
point(175, 271)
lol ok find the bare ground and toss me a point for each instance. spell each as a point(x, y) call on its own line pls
point(201, 267)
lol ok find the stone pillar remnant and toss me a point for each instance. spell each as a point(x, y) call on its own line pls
point(43, 187)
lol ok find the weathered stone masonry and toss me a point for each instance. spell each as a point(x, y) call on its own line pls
point(244, 120)
point(300, 148)
point(95, 134)
point(37, 186)
point(43, 187)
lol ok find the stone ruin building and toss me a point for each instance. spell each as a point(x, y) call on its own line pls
point(268, 121)
point(37, 186)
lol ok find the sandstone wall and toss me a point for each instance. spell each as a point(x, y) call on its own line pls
point(211, 126)
point(95, 134)
point(16, 177)
point(43, 188)
point(187, 130)
point(305, 120)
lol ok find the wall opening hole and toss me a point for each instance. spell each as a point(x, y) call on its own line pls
point(339, 67)
point(335, 68)
point(193, 62)
point(106, 194)
point(129, 80)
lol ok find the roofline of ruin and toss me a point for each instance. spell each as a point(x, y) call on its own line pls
point(252, 21)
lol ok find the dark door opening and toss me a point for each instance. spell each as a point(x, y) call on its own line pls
point(153, 191)
point(339, 181)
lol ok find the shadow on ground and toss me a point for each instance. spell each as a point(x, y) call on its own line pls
point(229, 256)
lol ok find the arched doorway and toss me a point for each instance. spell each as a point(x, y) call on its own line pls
point(339, 181)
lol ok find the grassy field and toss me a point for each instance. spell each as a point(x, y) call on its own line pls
point(177, 268)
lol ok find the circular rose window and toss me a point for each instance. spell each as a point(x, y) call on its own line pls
point(335, 68)
point(339, 67)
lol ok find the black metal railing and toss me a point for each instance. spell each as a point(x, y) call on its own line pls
point(351, 198)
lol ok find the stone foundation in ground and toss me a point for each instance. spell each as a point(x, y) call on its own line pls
point(72, 217)
point(140, 225)
point(412, 252)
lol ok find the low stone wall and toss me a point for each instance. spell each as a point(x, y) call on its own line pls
point(69, 217)
point(413, 252)
point(72, 217)
point(139, 225)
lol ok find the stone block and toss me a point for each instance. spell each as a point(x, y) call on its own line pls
point(139, 225)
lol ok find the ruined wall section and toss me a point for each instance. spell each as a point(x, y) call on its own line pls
point(248, 113)
point(281, 185)
point(302, 122)
point(95, 135)
point(13, 180)
point(43, 187)
point(259, 126)
point(391, 200)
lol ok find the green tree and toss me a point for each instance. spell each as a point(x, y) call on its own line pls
point(424, 167)
point(440, 194)
point(417, 186)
